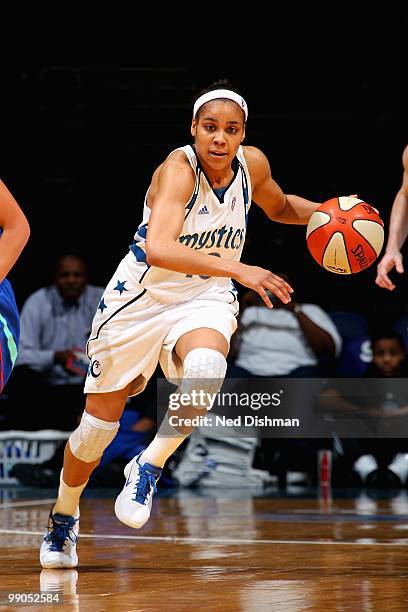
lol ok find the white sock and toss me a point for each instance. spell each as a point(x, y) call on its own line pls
point(166, 441)
point(68, 499)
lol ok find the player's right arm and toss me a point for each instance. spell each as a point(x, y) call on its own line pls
point(172, 190)
point(397, 233)
point(16, 231)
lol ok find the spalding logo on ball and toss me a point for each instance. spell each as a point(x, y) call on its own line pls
point(345, 235)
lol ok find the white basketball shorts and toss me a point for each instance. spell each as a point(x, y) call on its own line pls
point(132, 333)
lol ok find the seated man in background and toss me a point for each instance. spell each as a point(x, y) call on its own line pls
point(47, 386)
point(287, 340)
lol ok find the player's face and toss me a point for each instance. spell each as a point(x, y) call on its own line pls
point(218, 132)
point(388, 355)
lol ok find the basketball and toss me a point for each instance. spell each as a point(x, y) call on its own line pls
point(345, 235)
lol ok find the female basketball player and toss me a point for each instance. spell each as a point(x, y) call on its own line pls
point(168, 301)
point(14, 235)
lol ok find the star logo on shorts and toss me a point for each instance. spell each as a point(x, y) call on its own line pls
point(120, 287)
point(102, 305)
point(95, 368)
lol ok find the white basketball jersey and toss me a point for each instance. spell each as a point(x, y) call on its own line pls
point(214, 223)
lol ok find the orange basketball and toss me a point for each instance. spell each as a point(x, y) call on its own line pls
point(345, 235)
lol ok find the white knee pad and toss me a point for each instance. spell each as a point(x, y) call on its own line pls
point(204, 372)
point(91, 437)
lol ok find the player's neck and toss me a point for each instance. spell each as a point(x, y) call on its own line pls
point(219, 177)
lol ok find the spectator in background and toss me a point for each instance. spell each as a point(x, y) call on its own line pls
point(287, 340)
point(379, 461)
point(52, 363)
point(389, 357)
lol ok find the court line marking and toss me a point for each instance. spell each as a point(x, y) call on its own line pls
point(184, 540)
point(42, 502)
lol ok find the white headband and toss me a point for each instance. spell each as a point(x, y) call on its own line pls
point(216, 95)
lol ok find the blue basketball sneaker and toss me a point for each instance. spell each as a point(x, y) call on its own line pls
point(134, 503)
point(59, 545)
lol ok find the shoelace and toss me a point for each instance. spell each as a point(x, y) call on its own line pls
point(59, 534)
point(146, 482)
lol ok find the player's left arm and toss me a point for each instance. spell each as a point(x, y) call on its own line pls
point(278, 206)
point(16, 231)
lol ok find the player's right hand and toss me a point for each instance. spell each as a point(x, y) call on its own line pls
point(261, 281)
point(387, 263)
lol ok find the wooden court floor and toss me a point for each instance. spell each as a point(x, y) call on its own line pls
point(215, 551)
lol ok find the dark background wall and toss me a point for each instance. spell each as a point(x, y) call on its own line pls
point(80, 141)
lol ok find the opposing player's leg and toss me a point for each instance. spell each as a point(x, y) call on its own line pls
point(203, 353)
point(84, 449)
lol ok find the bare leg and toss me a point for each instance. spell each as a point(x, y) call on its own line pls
point(201, 338)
